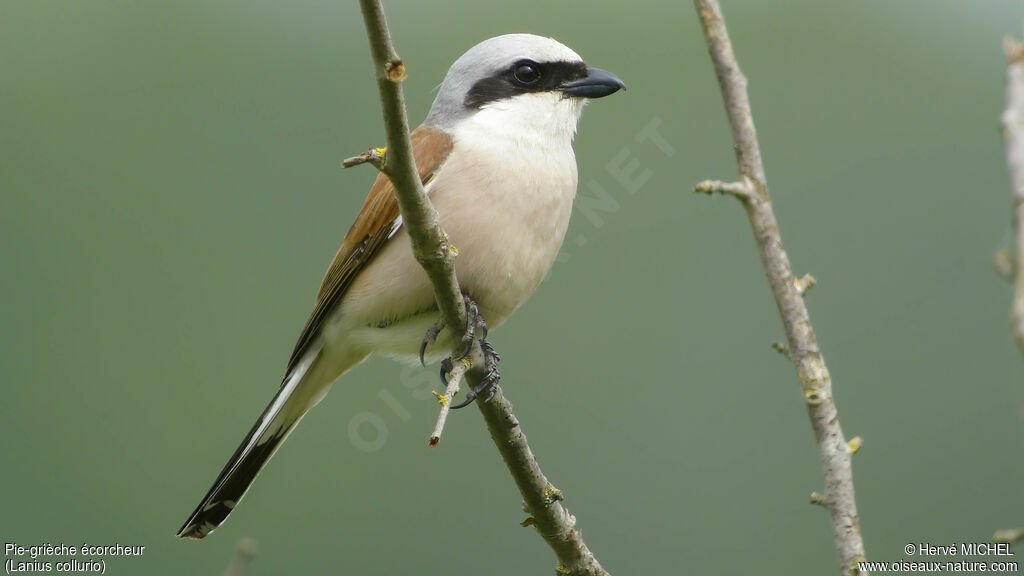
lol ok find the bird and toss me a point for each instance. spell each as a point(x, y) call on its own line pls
point(495, 157)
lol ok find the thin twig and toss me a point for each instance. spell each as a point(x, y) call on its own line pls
point(740, 190)
point(815, 381)
point(373, 156)
point(1013, 134)
point(445, 399)
point(436, 255)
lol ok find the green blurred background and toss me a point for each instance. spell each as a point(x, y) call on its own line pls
point(170, 195)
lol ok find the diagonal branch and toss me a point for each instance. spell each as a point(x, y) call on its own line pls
point(433, 251)
point(815, 382)
point(1013, 134)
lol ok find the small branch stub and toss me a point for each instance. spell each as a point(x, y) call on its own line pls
point(781, 348)
point(373, 156)
point(855, 443)
point(741, 190)
point(818, 499)
point(804, 283)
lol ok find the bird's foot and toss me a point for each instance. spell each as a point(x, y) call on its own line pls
point(474, 323)
point(489, 383)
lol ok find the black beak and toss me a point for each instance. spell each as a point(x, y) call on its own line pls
point(596, 84)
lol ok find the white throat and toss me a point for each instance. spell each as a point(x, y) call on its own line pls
point(546, 119)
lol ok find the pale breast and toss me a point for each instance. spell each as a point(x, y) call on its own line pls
point(504, 196)
point(505, 204)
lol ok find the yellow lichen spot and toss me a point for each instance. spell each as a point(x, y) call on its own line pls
point(467, 362)
point(812, 396)
point(561, 569)
point(453, 249)
point(855, 444)
point(441, 398)
point(552, 494)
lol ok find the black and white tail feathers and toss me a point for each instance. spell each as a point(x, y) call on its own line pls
point(289, 405)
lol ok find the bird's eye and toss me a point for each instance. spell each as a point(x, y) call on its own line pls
point(526, 72)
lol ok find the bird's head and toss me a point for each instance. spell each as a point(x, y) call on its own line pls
point(520, 81)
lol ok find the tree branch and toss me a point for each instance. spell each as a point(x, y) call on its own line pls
point(433, 251)
point(815, 381)
point(1009, 265)
point(1013, 134)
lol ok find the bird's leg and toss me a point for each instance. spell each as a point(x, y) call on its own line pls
point(473, 320)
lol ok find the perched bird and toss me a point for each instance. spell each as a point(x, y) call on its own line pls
point(495, 156)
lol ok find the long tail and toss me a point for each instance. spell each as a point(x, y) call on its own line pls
point(300, 391)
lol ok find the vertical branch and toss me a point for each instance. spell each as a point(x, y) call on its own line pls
point(433, 251)
point(1013, 134)
point(814, 378)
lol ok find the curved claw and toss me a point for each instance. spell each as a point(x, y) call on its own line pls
point(489, 385)
point(469, 400)
point(429, 338)
point(446, 369)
